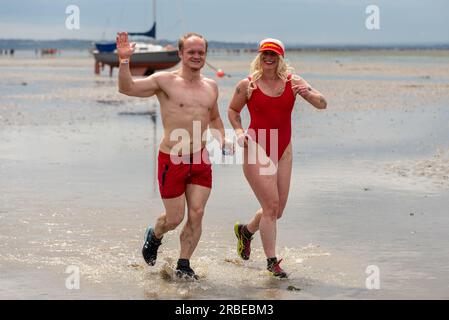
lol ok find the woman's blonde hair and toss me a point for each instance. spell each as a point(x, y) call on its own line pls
point(256, 71)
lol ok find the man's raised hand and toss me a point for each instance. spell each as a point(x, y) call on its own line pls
point(124, 48)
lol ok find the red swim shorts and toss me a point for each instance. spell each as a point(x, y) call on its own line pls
point(176, 172)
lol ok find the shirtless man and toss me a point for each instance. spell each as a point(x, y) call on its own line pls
point(187, 100)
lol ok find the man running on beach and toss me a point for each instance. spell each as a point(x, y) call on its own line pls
point(187, 100)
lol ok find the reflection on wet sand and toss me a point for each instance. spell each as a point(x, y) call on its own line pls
point(78, 185)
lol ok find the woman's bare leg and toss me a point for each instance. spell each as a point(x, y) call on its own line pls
point(265, 188)
point(284, 173)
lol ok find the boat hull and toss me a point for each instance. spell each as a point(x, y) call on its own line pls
point(141, 63)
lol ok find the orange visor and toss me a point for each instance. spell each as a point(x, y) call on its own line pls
point(271, 46)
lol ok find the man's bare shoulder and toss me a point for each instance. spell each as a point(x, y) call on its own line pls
point(164, 75)
point(167, 80)
point(211, 82)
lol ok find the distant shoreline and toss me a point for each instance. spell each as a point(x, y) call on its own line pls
point(64, 44)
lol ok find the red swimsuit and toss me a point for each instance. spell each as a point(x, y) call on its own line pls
point(268, 113)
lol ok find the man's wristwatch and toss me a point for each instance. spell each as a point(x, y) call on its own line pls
point(124, 61)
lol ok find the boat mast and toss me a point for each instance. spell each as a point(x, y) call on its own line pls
point(154, 11)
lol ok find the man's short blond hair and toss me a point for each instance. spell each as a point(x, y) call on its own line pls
point(187, 36)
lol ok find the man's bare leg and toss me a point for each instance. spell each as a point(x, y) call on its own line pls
point(172, 217)
point(196, 197)
point(174, 213)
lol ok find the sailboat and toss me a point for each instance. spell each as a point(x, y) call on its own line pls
point(147, 57)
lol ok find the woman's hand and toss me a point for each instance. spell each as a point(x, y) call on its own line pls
point(302, 89)
point(242, 139)
point(313, 96)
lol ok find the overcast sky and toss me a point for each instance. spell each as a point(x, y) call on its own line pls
point(293, 21)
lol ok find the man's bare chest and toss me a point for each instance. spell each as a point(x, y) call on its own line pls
point(196, 99)
point(186, 97)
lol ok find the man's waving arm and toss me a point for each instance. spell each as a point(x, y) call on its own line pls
point(126, 85)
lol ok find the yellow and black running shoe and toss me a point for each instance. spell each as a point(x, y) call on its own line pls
point(243, 242)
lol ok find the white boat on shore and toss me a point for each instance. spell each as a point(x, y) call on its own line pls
point(147, 57)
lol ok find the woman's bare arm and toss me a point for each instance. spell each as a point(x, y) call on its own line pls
point(238, 101)
point(311, 95)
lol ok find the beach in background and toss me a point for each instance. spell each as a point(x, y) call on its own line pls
point(370, 184)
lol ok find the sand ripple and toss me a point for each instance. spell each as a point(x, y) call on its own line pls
point(435, 168)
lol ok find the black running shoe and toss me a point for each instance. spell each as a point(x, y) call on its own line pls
point(276, 270)
point(149, 250)
point(184, 271)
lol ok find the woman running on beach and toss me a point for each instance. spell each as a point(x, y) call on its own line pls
point(269, 92)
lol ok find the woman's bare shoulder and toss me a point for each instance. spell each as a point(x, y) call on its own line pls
point(243, 84)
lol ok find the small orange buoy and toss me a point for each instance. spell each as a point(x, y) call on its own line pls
point(220, 73)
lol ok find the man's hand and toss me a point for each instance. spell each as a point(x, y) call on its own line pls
point(301, 89)
point(228, 147)
point(124, 48)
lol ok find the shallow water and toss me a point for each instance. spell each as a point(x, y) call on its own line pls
point(370, 186)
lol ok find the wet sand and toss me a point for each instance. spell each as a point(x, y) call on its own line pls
point(370, 185)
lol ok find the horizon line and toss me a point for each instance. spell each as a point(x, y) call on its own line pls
point(287, 44)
